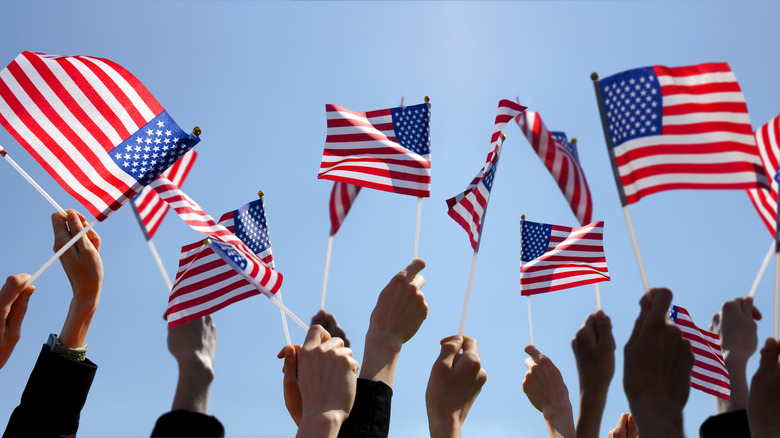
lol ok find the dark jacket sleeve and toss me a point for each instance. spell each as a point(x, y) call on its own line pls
point(183, 423)
point(732, 424)
point(52, 400)
point(370, 415)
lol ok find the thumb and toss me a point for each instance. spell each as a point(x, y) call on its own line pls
point(449, 349)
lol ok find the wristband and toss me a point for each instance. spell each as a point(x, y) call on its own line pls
point(77, 354)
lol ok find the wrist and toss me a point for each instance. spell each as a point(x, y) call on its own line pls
point(444, 427)
point(74, 330)
point(648, 412)
point(324, 424)
point(380, 357)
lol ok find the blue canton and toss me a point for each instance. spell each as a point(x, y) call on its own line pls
point(535, 239)
point(561, 137)
point(252, 226)
point(673, 313)
point(490, 175)
point(632, 102)
point(777, 176)
point(152, 149)
point(412, 128)
point(227, 251)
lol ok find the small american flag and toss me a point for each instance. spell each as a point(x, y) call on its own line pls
point(149, 208)
point(709, 373)
point(91, 124)
point(555, 257)
point(560, 158)
point(387, 149)
point(341, 198)
point(214, 275)
point(468, 207)
point(765, 200)
point(680, 128)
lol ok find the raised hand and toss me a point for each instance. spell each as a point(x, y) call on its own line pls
point(544, 387)
point(14, 297)
point(594, 352)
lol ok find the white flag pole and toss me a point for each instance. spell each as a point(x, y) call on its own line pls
point(62, 250)
point(777, 288)
point(598, 296)
point(284, 321)
point(530, 321)
point(641, 265)
point(327, 269)
point(32, 181)
point(152, 248)
point(417, 228)
point(760, 275)
point(288, 312)
point(468, 291)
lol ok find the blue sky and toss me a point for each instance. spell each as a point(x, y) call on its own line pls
point(256, 77)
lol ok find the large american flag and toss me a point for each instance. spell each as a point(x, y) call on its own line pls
point(680, 128)
point(765, 200)
point(387, 149)
point(554, 257)
point(149, 208)
point(341, 198)
point(709, 373)
point(468, 207)
point(214, 275)
point(560, 158)
point(91, 124)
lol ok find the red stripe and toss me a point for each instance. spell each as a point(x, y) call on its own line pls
point(700, 89)
point(139, 88)
point(411, 164)
point(194, 316)
point(682, 149)
point(711, 107)
point(706, 127)
point(692, 70)
point(562, 286)
point(695, 168)
point(630, 199)
point(114, 89)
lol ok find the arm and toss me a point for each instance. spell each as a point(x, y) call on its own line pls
point(327, 375)
point(594, 352)
point(14, 297)
point(456, 381)
point(657, 368)
point(543, 384)
point(400, 311)
point(764, 400)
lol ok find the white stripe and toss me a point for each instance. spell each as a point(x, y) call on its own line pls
point(707, 137)
point(702, 158)
point(570, 267)
point(687, 178)
point(389, 182)
point(544, 285)
point(694, 118)
point(700, 79)
point(125, 86)
point(682, 99)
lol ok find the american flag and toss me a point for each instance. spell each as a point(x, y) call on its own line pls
point(341, 198)
point(468, 207)
point(149, 208)
point(555, 257)
point(91, 124)
point(680, 128)
point(387, 149)
point(709, 373)
point(765, 200)
point(560, 158)
point(212, 276)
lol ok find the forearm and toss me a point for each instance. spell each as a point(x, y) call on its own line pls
point(193, 386)
point(444, 427)
point(380, 358)
point(559, 420)
point(591, 411)
point(661, 418)
point(737, 368)
point(325, 425)
point(74, 330)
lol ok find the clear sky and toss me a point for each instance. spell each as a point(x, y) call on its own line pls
point(256, 77)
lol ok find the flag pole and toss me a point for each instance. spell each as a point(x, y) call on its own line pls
point(288, 312)
point(618, 183)
point(419, 205)
point(31, 181)
point(474, 259)
point(598, 296)
point(62, 250)
point(260, 194)
point(530, 321)
point(777, 287)
point(762, 269)
point(149, 242)
point(327, 269)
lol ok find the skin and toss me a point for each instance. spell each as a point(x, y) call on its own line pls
point(14, 298)
point(626, 427)
point(193, 345)
point(456, 380)
point(594, 352)
point(764, 401)
point(545, 389)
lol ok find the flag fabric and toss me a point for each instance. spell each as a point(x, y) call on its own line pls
point(2, 152)
point(214, 275)
point(341, 198)
point(709, 373)
point(387, 149)
point(91, 124)
point(149, 208)
point(468, 207)
point(765, 200)
point(679, 128)
point(560, 158)
point(554, 257)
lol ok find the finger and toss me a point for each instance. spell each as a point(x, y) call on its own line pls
point(76, 224)
point(604, 330)
point(715, 322)
point(355, 365)
point(752, 310)
point(333, 343)
point(644, 308)
point(413, 269)
point(13, 287)
point(17, 312)
point(631, 429)
point(587, 333)
point(59, 225)
point(533, 352)
point(529, 362)
point(418, 281)
point(661, 299)
point(320, 318)
point(768, 361)
point(449, 348)
point(315, 336)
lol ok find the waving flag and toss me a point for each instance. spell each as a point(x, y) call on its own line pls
point(468, 207)
point(560, 158)
point(679, 128)
point(149, 208)
point(214, 275)
point(387, 149)
point(341, 198)
point(709, 373)
point(91, 124)
point(765, 200)
point(555, 257)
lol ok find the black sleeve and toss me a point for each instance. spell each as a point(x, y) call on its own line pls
point(52, 400)
point(370, 416)
point(183, 423)
point(732, 424)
